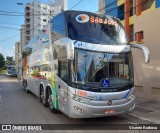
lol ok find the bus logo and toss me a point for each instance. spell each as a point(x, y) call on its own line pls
point(82, 18)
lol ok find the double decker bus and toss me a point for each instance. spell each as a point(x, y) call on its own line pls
point(81, 65)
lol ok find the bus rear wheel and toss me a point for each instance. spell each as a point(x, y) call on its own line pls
point(43, 98)
point(25, 86)
point(50, 102)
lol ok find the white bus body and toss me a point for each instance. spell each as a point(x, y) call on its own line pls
point(81, 64)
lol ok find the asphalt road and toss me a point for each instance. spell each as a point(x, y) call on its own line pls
point(19, 107)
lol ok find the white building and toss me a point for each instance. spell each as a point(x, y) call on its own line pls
point(37, 15)
point(18, 57)
point(101, 6)
point(62, 3)
point(22, 37)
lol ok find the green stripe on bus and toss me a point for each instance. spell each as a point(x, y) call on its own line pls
point(54, 92)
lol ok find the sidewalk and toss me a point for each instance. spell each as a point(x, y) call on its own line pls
point(147, 110)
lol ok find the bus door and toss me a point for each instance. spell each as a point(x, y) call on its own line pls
point(62, 86)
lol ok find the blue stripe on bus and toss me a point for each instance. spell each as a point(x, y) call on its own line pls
point(127, 94)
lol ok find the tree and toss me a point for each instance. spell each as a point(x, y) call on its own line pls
point(10, 60)
point(2, 61)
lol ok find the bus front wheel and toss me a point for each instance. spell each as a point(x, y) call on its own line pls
point(50, 101)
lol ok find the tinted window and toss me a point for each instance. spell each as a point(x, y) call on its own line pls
point(62, 63)
point(58, 27)
point(63, 71)
point(97, 29)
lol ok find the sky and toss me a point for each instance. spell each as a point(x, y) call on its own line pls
point(10, 25)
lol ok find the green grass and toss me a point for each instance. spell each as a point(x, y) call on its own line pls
point(3, 71)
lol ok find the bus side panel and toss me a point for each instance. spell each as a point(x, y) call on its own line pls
point(61, 88)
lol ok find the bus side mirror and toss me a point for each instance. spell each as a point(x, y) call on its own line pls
point(145, 51)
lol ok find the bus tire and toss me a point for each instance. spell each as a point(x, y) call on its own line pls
point(43, 98)
point(25, 86)
point(41, 87)
point(50, 102)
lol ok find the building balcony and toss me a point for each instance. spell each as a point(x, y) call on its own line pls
point(27, 23)
point(28, 26)
point(27, 29)
point(28, 14)
point(28, 38)
point(27, 17)
point(27, 11)
point(27, 8)
point(27, 33)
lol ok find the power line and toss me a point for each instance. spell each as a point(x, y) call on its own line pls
point(9, 23)
point(9, 38)
point(116, 7)
point(72, 8)
point(26, 15)
point(34, 27)
point(133, 8)
point(8, 27)
point(12, 12)
point(2, 29)
point(108, 5)
point(16, 35)
point(128, 10)
point(39, 14)
point(76, 5)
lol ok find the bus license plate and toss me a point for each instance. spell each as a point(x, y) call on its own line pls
point(109, 111)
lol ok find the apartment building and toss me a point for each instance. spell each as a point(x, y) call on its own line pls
point(22, 37)
point(37, 15)
point(18, 63)
point(141, 20)
point(62, 3)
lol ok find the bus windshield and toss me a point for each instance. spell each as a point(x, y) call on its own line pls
point(98, 29)
point(91, 68)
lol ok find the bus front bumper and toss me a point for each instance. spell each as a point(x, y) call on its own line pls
point(81, 110)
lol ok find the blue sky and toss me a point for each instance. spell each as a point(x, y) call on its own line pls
point(15, 22)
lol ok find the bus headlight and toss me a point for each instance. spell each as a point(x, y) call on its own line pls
point(78, 110)
point(131, 97)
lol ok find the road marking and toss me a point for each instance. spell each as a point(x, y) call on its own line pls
point(145, 119)
point(1, 98)
point(9, 80)
point(132, 123)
